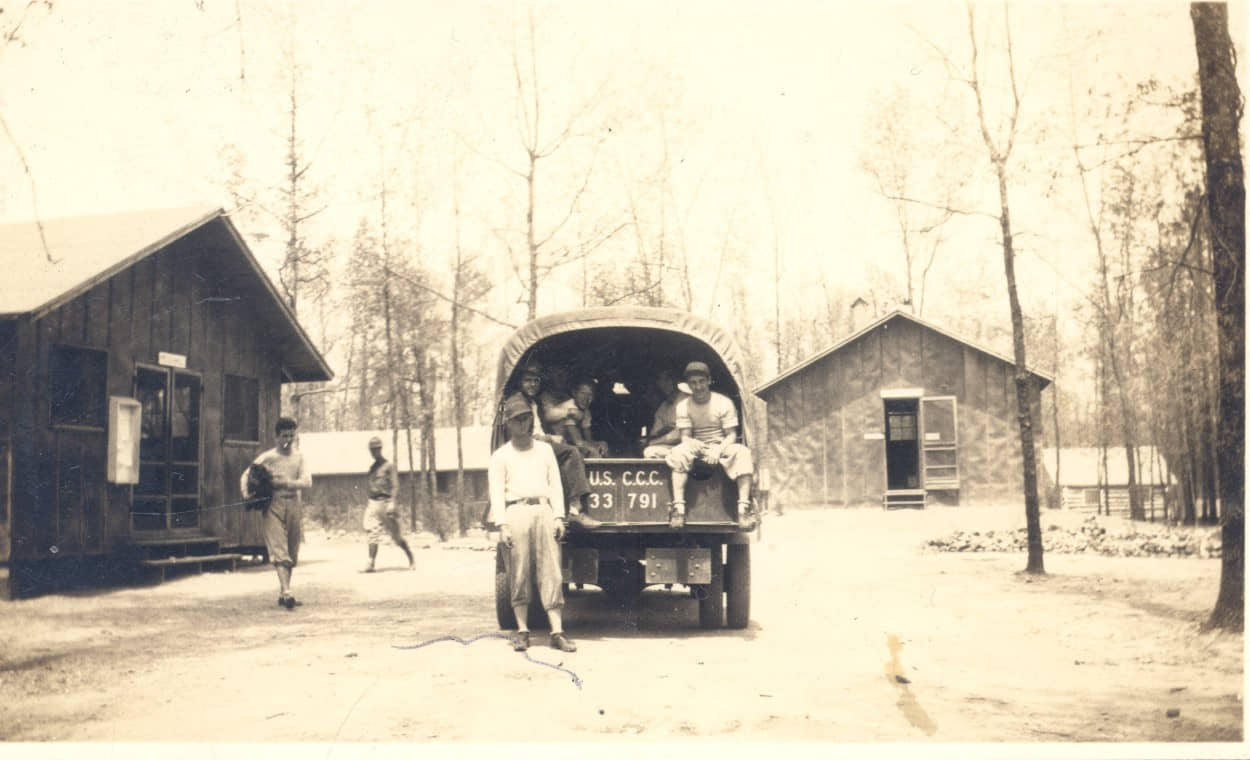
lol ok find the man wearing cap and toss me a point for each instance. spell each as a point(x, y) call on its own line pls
point(569, 460)
point(709, 433)
point(526, 503)
point(381, 519)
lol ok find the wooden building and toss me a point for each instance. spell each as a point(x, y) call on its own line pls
point(141, 361)
point(338, 462)
point(901, 413)
point(1085, 485)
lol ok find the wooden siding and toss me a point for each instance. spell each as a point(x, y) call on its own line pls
point(1093, 498)
point(818, 418)
point(174, 301)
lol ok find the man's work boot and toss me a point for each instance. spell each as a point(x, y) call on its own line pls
point(584, 520)
point(561, 642)
point(677, 515)
point(520, 641)
point(747, 519)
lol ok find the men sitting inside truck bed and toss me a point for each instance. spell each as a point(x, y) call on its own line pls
point(663, 434)
point(569, 460)
point(709, 433)
point(577, 425)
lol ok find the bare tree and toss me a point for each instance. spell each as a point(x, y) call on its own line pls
point(999, 149)
point(895, 159)
point(468, 284)
point(1226, 199)
point(546, 246)
point(11, 34)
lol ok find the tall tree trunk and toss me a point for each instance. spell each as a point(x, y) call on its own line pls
point(1226, 198)
point(1024, 388)
point(457, 381)
point(531, 240)
point(406, 399)
point(1054, 414)
point(1025, 385)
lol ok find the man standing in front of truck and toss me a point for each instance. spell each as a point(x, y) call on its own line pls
point(709, 433)
point(525, 502)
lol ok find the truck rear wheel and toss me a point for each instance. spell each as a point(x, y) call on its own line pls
point(503, 602)
point(712, 602)
point(738, 588)
point(536, 617)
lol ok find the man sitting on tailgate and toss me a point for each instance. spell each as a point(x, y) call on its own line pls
point(709, 433)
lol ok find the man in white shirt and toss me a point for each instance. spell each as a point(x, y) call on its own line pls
point(527, 503)
point(709, 433)
point(284, 518)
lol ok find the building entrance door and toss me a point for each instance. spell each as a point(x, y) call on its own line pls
point(168, 493)
point(902, 444)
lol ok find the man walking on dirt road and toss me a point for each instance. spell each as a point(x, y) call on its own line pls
point(284, 518)
point(381, 520)
point(709, 433)
point(525, 502)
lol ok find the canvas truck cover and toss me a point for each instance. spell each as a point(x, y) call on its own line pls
point(579, 333)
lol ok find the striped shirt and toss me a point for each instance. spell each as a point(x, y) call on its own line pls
point(708, 422)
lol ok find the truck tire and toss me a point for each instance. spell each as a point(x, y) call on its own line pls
point(738, 589)
point(712, 602)
point(503, 602)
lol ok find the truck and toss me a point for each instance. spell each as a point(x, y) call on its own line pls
point(633, 546)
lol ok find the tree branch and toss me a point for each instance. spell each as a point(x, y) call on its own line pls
point(941, 207)
point(34, 196)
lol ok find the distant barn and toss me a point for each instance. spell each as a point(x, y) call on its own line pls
point(338, 462)
point(141, 361)
point(1086, 486)
point(902, 413)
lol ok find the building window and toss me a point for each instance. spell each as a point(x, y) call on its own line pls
point(242, 410)
point(78, 380)
point(902, 426)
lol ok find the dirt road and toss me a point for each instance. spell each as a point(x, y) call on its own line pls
point(857, 635)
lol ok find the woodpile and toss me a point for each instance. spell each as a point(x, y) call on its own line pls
point(1094, 535)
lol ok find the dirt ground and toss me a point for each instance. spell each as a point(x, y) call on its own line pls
point(857, 634)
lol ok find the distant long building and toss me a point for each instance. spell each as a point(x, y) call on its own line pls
point(338, 463)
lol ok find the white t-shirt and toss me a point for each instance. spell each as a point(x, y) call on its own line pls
point(709, 422)
point(515, 474)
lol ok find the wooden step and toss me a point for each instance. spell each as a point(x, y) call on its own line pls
point(172, 546)
point(903, 499)
point(196, 562)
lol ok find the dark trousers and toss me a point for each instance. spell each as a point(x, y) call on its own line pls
point(572, 472)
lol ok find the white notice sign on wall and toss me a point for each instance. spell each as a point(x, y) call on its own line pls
point(166, 359)
point(874, 436)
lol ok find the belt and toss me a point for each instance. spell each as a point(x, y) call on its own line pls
point(379, 498)
point(526, 500)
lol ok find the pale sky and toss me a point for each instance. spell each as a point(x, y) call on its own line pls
point(125, 105)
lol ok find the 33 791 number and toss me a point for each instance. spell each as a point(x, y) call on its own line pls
point(642, 500)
